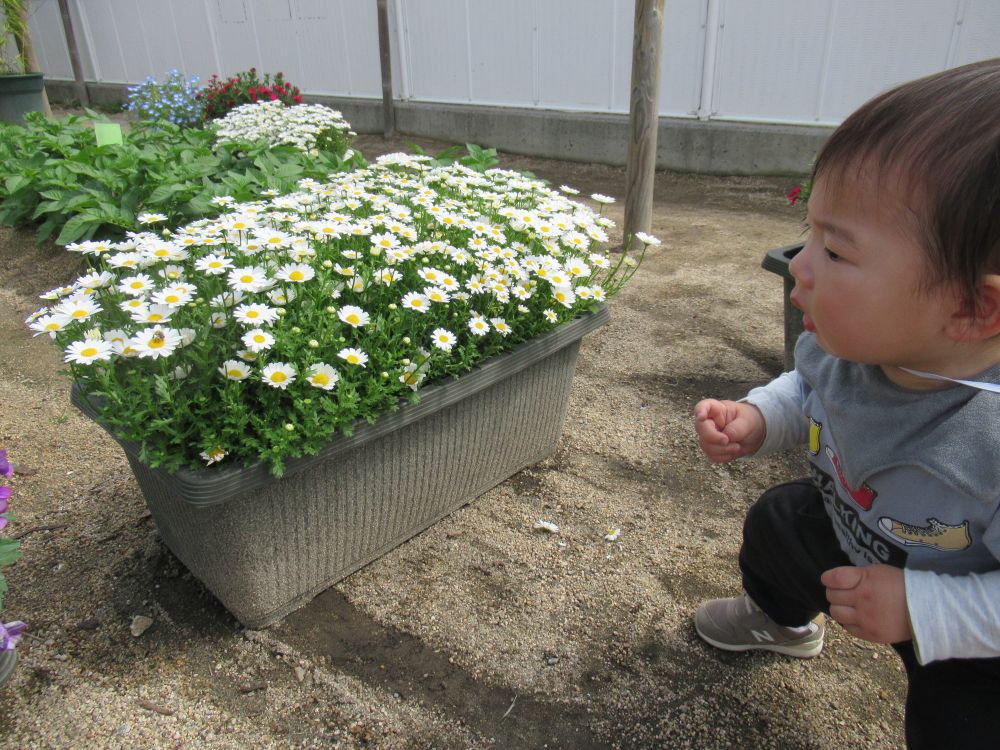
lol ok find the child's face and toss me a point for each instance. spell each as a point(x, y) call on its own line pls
point(860, 281)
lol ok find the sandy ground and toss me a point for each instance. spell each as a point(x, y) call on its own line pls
point(480, 632)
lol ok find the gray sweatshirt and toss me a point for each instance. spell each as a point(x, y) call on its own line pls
point(910, 479)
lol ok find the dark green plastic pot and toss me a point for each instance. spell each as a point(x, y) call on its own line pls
point(776, 261)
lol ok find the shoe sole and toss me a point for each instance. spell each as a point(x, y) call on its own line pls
point(800, 652)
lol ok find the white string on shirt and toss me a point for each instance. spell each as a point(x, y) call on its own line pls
point(992, 387)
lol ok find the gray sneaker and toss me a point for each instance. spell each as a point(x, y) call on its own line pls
point(738, 624)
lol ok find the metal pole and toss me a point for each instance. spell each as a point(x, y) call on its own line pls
point(640, 170)
point(74, 54)
point(388, 111)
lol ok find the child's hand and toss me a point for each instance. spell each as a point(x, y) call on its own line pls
point(870, 602)
point(728, 429)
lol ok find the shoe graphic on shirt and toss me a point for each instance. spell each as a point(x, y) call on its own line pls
point(935, 534)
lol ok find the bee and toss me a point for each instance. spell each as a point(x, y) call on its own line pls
point(158, 336)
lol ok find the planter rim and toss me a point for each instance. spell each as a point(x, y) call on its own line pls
point(211, 486)
point(776, 261)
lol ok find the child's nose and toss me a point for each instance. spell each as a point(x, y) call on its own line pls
point(799, 267)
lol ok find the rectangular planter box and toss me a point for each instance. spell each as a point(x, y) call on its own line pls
point(266, 546)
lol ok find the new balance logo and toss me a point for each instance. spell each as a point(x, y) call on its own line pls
point(762, 635)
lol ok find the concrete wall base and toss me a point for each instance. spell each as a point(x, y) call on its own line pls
point(709, 147)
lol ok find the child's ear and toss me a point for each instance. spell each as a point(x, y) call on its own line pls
point(979, 321)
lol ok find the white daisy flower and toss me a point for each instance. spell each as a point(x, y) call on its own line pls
point(389, 276)
point(443, 339)
point(87, 351)
point(551, 315)
point(478, 325)
point(136, 285)
point(569, 190)
point(598, 293)
point(79, 307)
point(278, 375)
point(281, 297)
point(436, 294)
point(599, 261)
point(214, 265)
point(255, 314)
point(353, 315)
point(174, 295)
point(94, 280)
point(257, 340)
point(152, 313)
point(647, 239)
point(353, 356)
point(248, 279)
point(564, 295)
point(603, 199)
point(416, 301)
point(500, 326)
point(213, 456)
point(295, 272)
point(156, 342)
point(49, 324)
point(150, 218)
point(322, 375)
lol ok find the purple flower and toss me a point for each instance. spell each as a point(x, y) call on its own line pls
point(10, 634)
point(5, 466)
point(3, 521)
point(4, 497)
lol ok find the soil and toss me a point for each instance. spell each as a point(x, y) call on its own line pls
point(480, 632)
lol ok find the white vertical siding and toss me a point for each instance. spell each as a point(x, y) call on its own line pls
point(784, 61)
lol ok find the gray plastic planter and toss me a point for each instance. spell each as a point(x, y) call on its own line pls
point(266, 546)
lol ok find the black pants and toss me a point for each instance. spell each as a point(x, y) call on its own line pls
point(788, 541)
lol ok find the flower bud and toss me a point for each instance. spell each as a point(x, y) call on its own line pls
point(327, 264)
point(406, 340)
point(289, 426)
point(296, 329)
point(331, 309)
point(313, 344)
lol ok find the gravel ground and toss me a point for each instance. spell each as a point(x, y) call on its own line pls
point(480, 632)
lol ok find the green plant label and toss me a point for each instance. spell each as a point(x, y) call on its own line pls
point(108, 133)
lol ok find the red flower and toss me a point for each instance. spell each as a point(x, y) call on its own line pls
point(297, 99)
point(793, 194)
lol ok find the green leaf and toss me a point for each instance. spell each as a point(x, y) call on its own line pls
point(75, 228)
point(17, 182)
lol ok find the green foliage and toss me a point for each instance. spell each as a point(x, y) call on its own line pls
point(14, 27)
point(475, 157)
point(53, 174)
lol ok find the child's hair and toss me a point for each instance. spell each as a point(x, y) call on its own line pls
point(940, 136)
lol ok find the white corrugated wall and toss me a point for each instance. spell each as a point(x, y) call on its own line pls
point(780, 61)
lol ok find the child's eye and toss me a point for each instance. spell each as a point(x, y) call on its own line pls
point(832, 255)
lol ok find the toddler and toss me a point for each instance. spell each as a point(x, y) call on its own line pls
point(896, 396)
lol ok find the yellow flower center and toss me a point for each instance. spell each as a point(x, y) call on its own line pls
point(279, 377)
point(321, 379)
point(259, 339)
point(79, 313)
point(172, 299)
point(90, 351)
point(155, 317)
point(296, 276)
point(156, 343)
point(246, 279)
point(136, 285)
point(353, 358)
point(354, 319)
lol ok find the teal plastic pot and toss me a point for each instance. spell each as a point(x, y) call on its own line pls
point(20, 94)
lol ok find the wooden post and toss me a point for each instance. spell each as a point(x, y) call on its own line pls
point(27, 52)
point(644, 117)
point(388, 112)
point(74, 54)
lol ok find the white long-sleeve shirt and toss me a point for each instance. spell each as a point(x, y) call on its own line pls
point(909, 478)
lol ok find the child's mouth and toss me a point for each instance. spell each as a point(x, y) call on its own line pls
point(807, 323)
